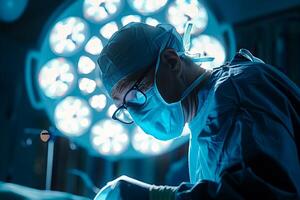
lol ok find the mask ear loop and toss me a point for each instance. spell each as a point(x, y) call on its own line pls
point(196, 57)
point(187, 36)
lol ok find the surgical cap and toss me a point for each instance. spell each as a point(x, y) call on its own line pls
point(135, 47)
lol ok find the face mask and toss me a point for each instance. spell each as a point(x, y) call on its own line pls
point(161, 120)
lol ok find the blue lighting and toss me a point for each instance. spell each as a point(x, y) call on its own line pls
point(65, 79)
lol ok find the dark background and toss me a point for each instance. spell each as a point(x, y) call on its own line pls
point(270, 29)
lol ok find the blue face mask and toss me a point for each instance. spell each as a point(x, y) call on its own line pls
point(161, 120)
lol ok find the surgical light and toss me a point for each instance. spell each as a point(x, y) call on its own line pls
point(147, 6)
point(68, 35)
point(151, 21)
point(63, 79)
point(94, 46)
point(99, 10)
point(85, 65)
point(86, 85)
point(209, 46)
point(56, 77)
point(98, 102)
point(192, 10)
point(72, 116)
point(109, 29)
point(111, 110)
point(109, 137)
point(147, 144)
point(130, 18)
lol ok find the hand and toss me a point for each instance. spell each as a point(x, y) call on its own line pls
point(123, 188)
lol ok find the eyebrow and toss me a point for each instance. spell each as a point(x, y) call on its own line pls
point(118, 89)
point(130, 79)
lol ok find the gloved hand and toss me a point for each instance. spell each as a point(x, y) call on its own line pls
point(124, 188)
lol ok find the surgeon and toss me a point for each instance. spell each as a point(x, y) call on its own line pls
point(244, 116)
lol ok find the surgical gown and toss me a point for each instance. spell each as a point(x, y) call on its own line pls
point(245, 137)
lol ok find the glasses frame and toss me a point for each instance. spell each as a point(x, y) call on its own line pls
point(126, 104)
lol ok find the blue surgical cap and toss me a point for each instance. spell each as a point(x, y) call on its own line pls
point(135, 47)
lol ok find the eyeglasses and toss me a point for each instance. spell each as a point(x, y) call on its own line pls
point(134, 97)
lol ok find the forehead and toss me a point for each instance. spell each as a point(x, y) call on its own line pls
point(122, 86)
point(125, 84)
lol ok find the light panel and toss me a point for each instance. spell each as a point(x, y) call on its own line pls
point(112, 108)
point(182, 11)
point(100, 10)
point(68, 35)
point(85, 65)
point(56, 77)
point(94, 46)
point(130, 18)
point(109, 137)
point(209, 46)
point(86, 85)
point(151, 21)
point(109, 29)
point(147, 144)
point(72, 116)
point(98, 102)
point(147, 6)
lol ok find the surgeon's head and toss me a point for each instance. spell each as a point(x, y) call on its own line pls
point(145, 73)
point(168, 78)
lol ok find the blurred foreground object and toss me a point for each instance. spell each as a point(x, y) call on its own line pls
point(45, 136)
point(9, 191)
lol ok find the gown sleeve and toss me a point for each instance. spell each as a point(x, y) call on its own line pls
point(260, 129)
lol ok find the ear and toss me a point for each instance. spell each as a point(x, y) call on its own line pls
point(169, 79)
point(171, 60)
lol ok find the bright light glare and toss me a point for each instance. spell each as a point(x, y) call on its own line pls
point(99, 10)
point(183, 10)
point(151, 21)
point(111, 110)
point(147, 144)
point(68, 35)
point(186, 130)
point(209, 46)
point(109, 137)
point(148, 6)
point(86, 85)
point(70, 82)
point(98, 80)
point(109, 29)
point(72, 116)
point(85, 65)
point(94, 46)
point(56, 77)
point(130, 18)
point(98, 102)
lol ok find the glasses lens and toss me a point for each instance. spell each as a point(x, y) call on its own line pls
point(135, 98)
point(123, 115)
